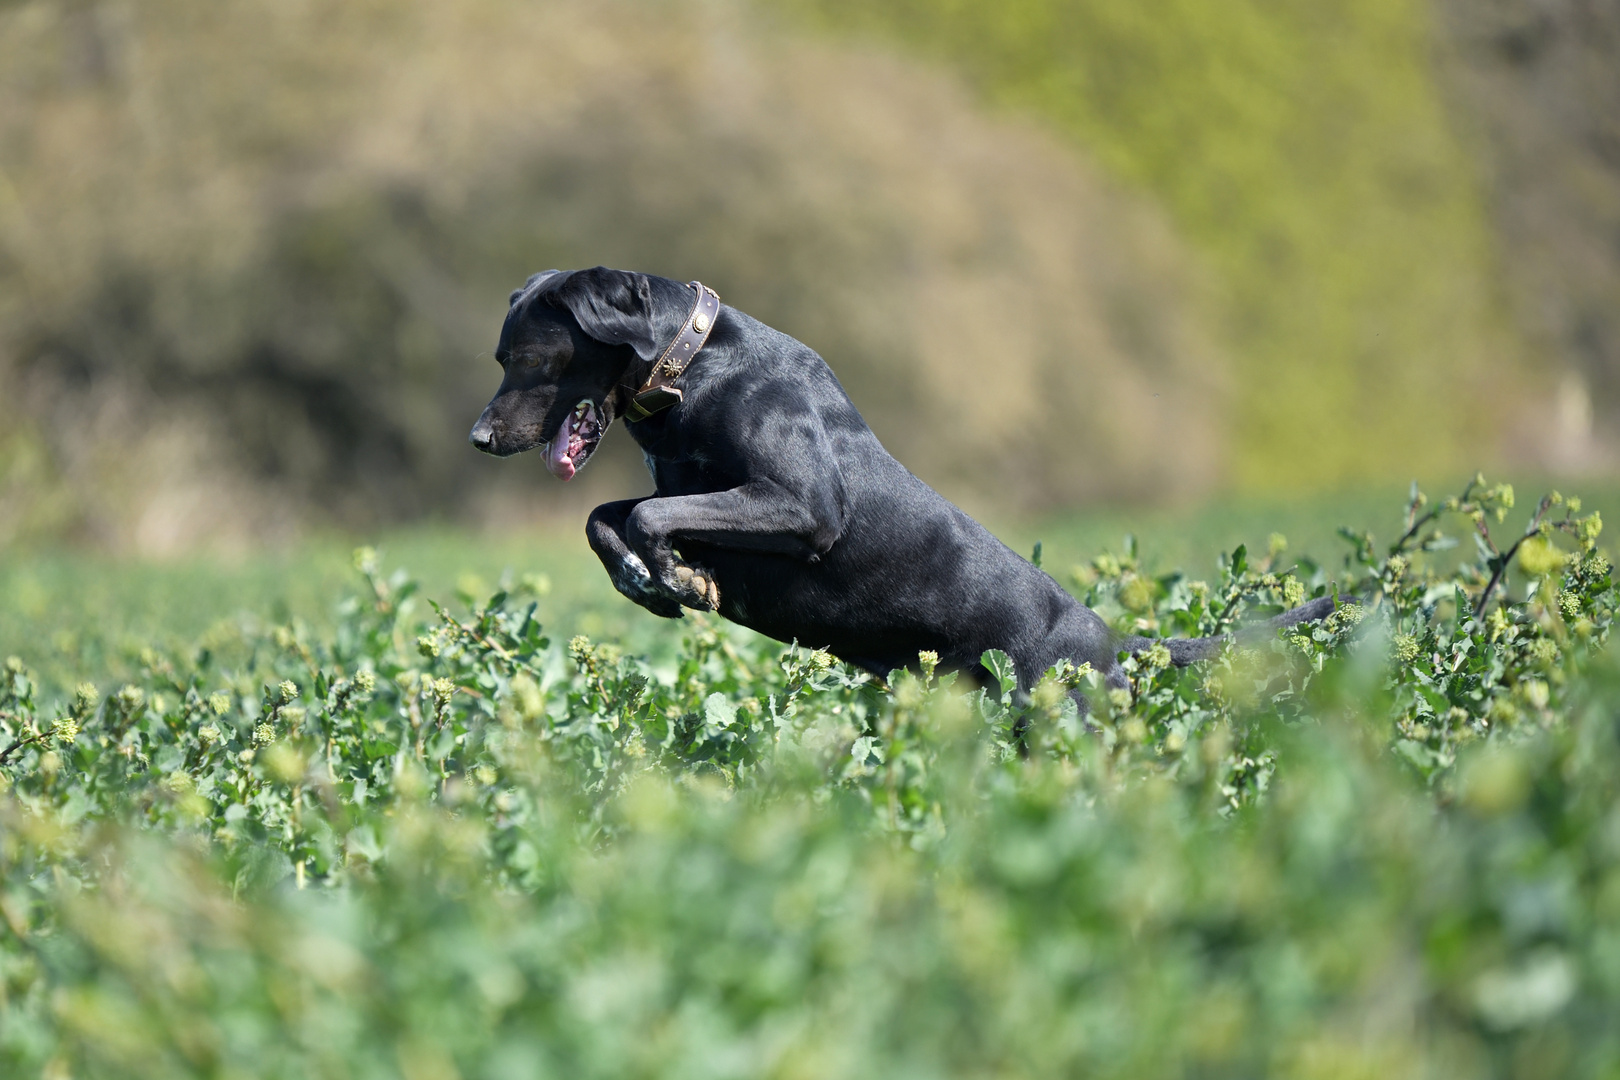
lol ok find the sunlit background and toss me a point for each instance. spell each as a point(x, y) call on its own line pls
point(254, 255)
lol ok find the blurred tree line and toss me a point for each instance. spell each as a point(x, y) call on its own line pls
point(253, 255)
point(1326, 159)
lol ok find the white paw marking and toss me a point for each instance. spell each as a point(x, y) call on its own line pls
point(632, 577)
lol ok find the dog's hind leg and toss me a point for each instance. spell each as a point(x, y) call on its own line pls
point(605, 532)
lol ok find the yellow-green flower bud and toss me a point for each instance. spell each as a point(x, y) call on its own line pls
point(528, 697)
point(208, 734)
point(1588, 530)
point(821, 660)
point(85, 697)
point(219, 703)
point(288, 690)
point(365, 560)
point(65, 729)
point(1406, 648)
point(264, 734)
point(365, 680)
point(1538, 558)
point(1136, 595)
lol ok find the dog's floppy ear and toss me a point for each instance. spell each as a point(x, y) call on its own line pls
point(534, 279)
point(612, 306)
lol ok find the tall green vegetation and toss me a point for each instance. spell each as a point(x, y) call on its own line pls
point(431, 843)
point(1306, 150)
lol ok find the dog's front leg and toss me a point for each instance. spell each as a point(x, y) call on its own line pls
point(755, 517)
point(629, 574)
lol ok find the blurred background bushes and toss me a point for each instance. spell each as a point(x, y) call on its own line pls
point(254, 256)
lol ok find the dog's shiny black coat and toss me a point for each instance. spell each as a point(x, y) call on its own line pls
point(773, 492)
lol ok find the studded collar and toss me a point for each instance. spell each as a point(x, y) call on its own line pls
point(659, 392)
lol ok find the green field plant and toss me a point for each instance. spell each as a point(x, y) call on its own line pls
point(436, 842)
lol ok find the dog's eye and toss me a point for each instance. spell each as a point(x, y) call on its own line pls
point(532, 360)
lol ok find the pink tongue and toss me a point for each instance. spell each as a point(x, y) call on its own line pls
point(558, 463)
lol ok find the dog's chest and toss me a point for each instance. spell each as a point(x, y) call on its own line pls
point(681, 464)
point(682, 476)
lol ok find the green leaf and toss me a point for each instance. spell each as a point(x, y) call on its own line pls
point(719, 711)
point(1000, 666)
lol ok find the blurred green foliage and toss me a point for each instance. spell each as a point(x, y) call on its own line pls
point(1307, 151)
point(435, 843)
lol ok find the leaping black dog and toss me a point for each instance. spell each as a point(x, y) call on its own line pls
point(775, 504)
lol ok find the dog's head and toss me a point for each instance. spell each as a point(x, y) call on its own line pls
point(569, 342)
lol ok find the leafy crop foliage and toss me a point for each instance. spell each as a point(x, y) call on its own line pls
point(436, 844)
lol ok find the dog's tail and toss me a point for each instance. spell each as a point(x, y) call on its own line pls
point(1184, 651)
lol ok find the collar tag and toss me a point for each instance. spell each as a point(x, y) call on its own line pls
point(653, 399)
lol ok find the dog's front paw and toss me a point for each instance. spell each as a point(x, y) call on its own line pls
point(631, 578)
point(694, 588)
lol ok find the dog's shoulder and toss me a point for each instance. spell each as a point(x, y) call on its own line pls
point(752, 358)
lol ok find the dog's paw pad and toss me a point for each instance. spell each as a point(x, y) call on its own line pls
point(708, 590)
point(696, 589)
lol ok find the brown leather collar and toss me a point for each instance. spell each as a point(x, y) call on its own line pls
point(658, 392)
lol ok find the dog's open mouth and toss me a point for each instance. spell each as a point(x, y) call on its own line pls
point(576, 440)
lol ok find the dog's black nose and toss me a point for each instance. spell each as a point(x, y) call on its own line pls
point(483, 436)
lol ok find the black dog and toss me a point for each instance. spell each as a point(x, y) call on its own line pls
point(775, 504)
